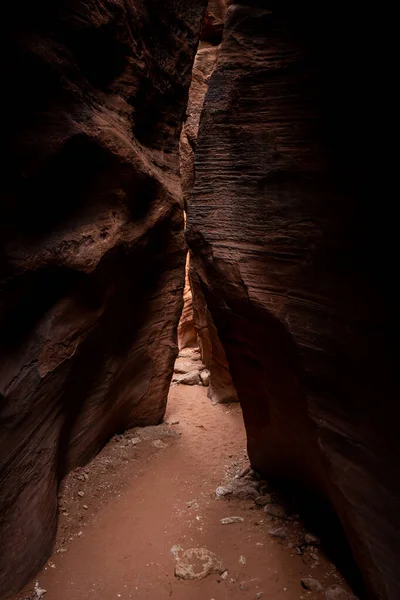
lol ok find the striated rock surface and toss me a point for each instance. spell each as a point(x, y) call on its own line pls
point(295, 256)
point(221, 388)
point(202, 69)
point(91, 242)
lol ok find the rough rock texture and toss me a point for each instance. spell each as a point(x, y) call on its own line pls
point(187, 336)
point(295, 255)
point(213, 25)
point(221, 388)
point(91, 241)
point(202, 69)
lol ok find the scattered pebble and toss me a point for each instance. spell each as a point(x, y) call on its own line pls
point(311, 584)
point(81, 494)
point(192, 378)
point(205, 377)
point(276, 511)
point(40, 592)
point(135, 440)
point(223, 491)
point(228, 520)
point(193, 559)
point(279, 532)
point(247, 585)
point(244, 472)
point(242, 560)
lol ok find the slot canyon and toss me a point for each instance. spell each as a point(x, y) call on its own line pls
point(199, 396)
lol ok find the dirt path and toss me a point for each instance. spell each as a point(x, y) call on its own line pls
point(153, 489)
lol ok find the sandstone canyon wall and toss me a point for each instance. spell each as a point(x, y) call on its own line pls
point(91, 241)
point(195, 310)
point(295, 255)
point(187, 335)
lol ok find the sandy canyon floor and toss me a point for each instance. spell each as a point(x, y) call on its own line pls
point(128, 518)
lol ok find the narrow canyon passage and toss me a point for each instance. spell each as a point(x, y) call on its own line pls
point(153, 488)
point(208, 176)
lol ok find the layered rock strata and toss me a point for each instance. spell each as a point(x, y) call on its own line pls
point(294, 258)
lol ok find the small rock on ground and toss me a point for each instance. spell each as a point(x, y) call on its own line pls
point(192, 378)
point(280, 533)
point(244, 472)
point(135, 440)
point(274, 510)
point(222, 491)
point(39, 592)
point(187, 565)
point(205, 377)
point(186, 366)
point(228, 520)
point(189, 353)
point(242, 560)
point(311, 584)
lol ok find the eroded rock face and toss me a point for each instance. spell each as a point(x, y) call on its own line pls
point(187, 336)
point(213, 25)
point(295, 259)
point(221, 388)
point(91, 242)
point(202, 69)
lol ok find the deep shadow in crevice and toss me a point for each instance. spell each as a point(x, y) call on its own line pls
point(321, 519)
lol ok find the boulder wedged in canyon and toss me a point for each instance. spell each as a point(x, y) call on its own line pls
point(92, 252)
point(295, 257)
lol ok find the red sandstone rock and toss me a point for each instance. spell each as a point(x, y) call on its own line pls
point(221, 388)
point(213, 25)
point(294, 259)
point(187, 336)
point(91, 242)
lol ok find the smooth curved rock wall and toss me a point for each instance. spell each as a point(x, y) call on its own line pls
point(91, 242)
point(294, 247)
